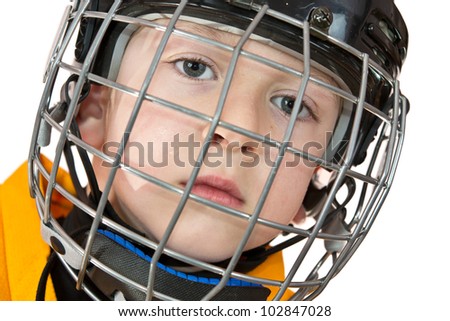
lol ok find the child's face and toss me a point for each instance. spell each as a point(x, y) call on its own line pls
point(164, 143)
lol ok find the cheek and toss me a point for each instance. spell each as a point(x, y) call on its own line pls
point(287, 193)
point(166, 136)
point(284, 202)
point(154, 136)
point(311, 140)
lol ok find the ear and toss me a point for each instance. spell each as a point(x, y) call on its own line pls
point(91, 116)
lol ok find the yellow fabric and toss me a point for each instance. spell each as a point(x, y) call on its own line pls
point(272, 268)
point(23, 254)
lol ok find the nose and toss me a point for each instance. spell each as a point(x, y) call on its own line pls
point(221, 138)
point(240, 112)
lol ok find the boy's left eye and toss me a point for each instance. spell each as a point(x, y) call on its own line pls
point(195, 69)
point(286, 104)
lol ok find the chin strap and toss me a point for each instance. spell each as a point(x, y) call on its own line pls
point(125, 258)
point(42, 285)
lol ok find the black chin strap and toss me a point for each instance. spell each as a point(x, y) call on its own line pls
point(128, 260)
point(42, 285)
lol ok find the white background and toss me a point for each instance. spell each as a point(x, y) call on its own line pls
point(401, 271)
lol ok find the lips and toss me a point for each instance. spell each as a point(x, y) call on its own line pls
point(219, 190)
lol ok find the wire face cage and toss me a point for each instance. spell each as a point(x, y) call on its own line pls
point(257, 189)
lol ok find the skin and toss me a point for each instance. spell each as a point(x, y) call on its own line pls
point(192, 74)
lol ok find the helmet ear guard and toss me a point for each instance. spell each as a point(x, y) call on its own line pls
point(89, 27)
point(370, 128)
point(319, 189)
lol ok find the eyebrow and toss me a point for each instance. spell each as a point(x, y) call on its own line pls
point(208, 32)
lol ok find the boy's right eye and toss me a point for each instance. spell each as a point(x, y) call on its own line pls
point(195, 69)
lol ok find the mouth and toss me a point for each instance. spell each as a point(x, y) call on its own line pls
point(219, 190)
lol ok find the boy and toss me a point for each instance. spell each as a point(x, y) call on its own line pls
point(211, 136)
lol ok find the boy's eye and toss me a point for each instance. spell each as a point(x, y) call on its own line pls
point(286, 104)
point(195, 69)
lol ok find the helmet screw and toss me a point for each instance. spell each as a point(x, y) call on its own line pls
point(321, 17)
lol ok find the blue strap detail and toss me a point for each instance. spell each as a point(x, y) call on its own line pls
point(211, 281)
